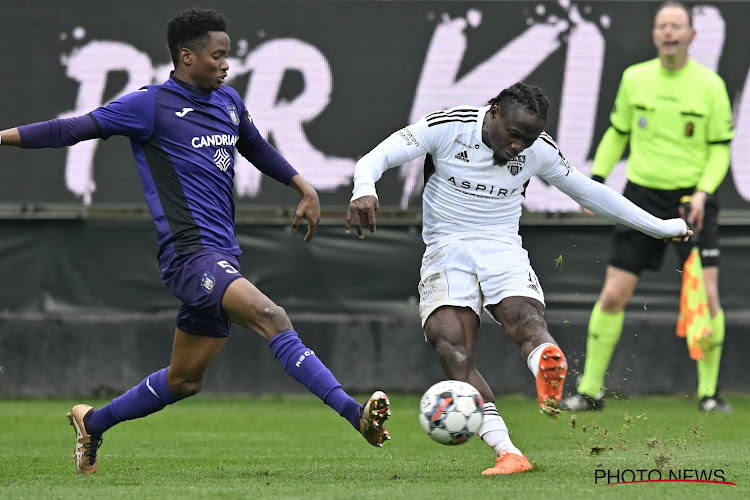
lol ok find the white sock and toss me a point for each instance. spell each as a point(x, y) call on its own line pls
point(494, 432)
point(533, 360)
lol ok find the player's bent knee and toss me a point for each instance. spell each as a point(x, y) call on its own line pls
point(185, 389)
point(274, 318)
point(266, 319)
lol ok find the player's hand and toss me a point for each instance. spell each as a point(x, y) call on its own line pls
point(308, 208)
point(362, 211)
point(587, 211)
point(683, 238)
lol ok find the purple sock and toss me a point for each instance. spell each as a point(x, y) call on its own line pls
point(148, 397)
point(302, 364)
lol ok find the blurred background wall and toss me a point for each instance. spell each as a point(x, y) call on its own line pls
point(82, 309)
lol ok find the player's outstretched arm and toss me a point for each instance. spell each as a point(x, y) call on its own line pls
point(308, 208)
point(56, 133)
point(613, 206)
point(10, 137)
point(362, 211)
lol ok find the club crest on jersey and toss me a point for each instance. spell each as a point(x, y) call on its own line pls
point(516, 164)
point(233, 114)
point(208, 281)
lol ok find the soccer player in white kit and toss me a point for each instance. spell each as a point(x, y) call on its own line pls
point(478, 163)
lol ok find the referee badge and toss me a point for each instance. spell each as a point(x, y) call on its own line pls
point(689, 129)
point(642, 122)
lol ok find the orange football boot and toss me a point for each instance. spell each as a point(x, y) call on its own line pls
point(551, 377)
point(508, 463)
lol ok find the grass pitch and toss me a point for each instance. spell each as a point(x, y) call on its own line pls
point(295, 447)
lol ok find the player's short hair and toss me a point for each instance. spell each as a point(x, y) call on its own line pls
point(522, 96)
point(191, 29)
point(674, 3)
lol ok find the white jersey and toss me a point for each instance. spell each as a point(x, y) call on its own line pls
point(467, 195)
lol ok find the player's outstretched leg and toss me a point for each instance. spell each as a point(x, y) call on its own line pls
point(495, 433)
point(550, 376)
point(304, 366)
point(87, 445)
point(372, 423)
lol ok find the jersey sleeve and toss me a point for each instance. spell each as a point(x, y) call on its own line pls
point(400, 147)
point(720, 128)
point(614, 207)
point(718, 134)
point(258, 151)
point(599, 198)
point(609, 152)
point(554, 168)
point(620, 116)
point(247, 130)
point(615, 139)
point(132, 115)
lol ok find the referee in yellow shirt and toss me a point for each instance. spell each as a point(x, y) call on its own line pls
point(676, 115)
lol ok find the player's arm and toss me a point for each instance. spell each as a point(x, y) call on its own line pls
point(261, 154)
point(720, 132)
point(10, 137)
point(717, 166)
point(131, 115)
point(616, 137)
point(611, 205)
point(265, 158)
point(399, 148)
point(55, 133)
point(608, 153)
point(602, 200)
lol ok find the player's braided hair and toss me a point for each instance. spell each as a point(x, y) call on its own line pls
point(190, 29)
point(522, 96)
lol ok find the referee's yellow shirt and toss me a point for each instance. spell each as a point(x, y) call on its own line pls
point(673, 117)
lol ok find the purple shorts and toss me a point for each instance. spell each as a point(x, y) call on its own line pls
point(199, 280)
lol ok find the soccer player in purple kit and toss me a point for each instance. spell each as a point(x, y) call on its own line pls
point(183, 134)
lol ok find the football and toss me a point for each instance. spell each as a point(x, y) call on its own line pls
point(451, 412)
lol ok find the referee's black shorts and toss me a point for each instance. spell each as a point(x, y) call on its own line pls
point(634, 251)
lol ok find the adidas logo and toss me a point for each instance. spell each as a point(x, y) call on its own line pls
point(462, 156)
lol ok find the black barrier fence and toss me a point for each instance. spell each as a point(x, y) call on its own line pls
point(84, 265)
point(325, 81)
point(87, 355)
point(84, 297)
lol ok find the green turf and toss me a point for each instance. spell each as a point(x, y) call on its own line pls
point(295, 447)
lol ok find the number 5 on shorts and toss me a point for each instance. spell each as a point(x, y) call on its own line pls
point(229, 268)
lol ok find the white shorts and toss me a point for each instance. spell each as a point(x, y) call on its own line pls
point(476, 274)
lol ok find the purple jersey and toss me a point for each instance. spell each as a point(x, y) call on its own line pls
point(183, 140)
